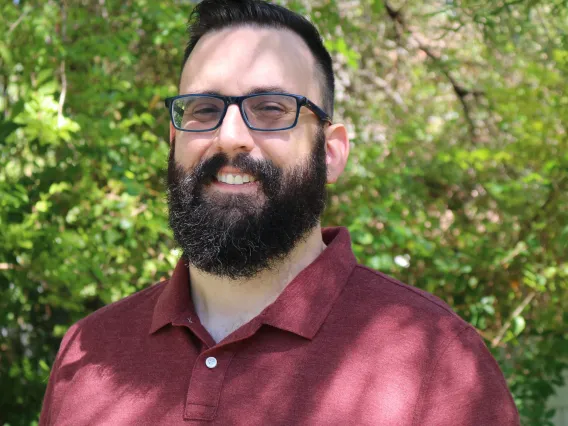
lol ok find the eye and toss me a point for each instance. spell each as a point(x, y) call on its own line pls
point(204, 109)
point(270, 108)
point(203, 112)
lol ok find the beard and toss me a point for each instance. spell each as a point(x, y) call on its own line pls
point(239, 235)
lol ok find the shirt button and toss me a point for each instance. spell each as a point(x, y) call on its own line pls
point(211, 362)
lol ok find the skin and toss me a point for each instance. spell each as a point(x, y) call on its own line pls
point(236, 61)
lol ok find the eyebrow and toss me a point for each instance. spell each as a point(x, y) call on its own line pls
point(253, 91)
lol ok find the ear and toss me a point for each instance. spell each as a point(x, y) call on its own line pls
point(337, 151)
point(172, 134)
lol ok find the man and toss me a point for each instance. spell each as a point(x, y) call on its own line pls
point(267, 319)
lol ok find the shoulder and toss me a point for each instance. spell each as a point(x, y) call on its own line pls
point(142, 302)
point(380, 291)
point(127, 315)
point(404, 325)
point(391, 314)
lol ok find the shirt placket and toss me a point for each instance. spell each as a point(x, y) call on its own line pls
point(209, 369)
point(206, 384)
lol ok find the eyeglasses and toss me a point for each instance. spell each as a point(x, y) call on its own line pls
point(267, 112)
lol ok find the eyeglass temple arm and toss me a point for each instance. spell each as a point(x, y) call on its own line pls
point(322, 115)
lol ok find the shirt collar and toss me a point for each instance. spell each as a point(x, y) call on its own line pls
point(175, 299)
point(303, 305)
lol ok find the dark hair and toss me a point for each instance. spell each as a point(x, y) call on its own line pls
point(210, 15)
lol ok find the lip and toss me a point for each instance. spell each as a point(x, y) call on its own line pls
point(249, 187)
point(232, 170)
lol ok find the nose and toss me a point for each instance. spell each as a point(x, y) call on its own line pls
point(234, 136)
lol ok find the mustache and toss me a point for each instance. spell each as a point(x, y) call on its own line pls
point(263, 170)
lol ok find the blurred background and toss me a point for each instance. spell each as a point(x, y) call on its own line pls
point(457, 181)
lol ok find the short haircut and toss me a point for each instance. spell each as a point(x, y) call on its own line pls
point(211, 15)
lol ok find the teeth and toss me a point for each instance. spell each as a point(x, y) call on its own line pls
point(234, 179)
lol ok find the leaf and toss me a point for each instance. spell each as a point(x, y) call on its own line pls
point(518, 325)
point(7, 128)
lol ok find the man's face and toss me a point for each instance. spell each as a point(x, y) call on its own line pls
point(236, 230)
point(236, 61)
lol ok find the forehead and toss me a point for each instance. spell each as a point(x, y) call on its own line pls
point(236, 60)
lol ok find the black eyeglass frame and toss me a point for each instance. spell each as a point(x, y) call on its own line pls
point(238, 100)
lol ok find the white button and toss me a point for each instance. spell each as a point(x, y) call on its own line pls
point(211, 362)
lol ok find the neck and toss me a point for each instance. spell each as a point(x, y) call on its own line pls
point(223, 305)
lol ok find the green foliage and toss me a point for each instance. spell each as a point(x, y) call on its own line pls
point(456, 184)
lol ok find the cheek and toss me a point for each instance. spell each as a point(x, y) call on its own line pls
point(288, 151)
point(275, 151)
point(189, 150)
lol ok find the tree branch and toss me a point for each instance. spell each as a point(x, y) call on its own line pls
point(62, 71)
point(17, 21)
point(505, 5)
point(518, 310)
point(62, 95)
point(460, 91)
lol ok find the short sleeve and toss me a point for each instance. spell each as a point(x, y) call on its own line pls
point(465, 387)
point(54, 391)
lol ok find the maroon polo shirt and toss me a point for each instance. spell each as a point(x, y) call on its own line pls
point(342, 345)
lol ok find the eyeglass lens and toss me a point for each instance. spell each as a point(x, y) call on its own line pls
point(263, 112)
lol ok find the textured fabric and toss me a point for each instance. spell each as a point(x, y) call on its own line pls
point(342, 345)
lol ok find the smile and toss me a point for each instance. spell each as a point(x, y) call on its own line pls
point(235, 178)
